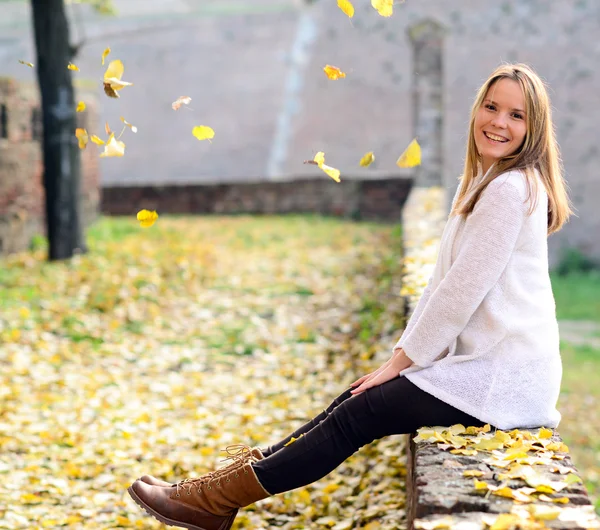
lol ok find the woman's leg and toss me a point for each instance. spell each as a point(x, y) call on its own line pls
point(309, 425)
point(395, 407)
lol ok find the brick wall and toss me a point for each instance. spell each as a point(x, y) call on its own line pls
point(373, 199)
point(22, 209)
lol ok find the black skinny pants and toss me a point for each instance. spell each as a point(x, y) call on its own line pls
point(351, 421)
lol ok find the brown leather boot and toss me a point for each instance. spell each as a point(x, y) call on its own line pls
point(209, 502)
point(233, 451)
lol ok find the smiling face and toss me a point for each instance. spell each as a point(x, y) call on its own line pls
point(500, 123)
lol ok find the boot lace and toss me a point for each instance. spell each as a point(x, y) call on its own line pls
point(239, 453)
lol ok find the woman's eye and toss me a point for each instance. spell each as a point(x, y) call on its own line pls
point(490, 107)
point(518, 116)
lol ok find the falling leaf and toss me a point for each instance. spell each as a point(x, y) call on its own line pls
point(107, 128)
point(71, 66)
point(347, 7)
point(333, 72)
point(319, 160)
point(367, 160)
point(132, 127)
point(147, 218)
point(80, 107)
point(82, 136)
point(26, 63)
point(112, 78)
point(384, 7)
point(203, 132)
point(181, 100)
point(411, 156)
point(105, 54)
point(97, 140)
point(113, 147)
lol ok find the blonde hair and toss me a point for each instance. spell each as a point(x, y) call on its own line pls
point(539, 149)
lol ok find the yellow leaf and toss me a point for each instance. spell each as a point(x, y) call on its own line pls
point(505, 521)
point(112, 78)
point(147, 218)
point(384, 7)
point(26, 63)
point(113, 147)
point(472, 473)
point(545, 433)
point(105, 54)
point(544, 513)
point(203, 132)
point(107, 128)
point(80, 107)
point(132, 127)
point(30, 498)
point(480, 485)
point(347, 7)
point(367, 159)
point(181, 100)
point(292, 440)
point(82, 136)
point(97, 140)
point(411, 156)
point(71, 66)
point(319, 160)
point(333, 72)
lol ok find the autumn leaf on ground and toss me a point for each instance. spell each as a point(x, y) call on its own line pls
point(346, 7)
point(113, 147)
point(319, 160)
point(203, 132)
point(80, 107)
point(333, 72)
point(112, 79)
point(105, 54)
point(368, 159)
point(26, 63)
point(147, 218)
point(71, 66)
point(82, 136)
point(411, 156)
point(132, 127)
point(181, 100)
point(384, 7)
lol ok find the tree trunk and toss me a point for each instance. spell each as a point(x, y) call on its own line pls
point(62, 165)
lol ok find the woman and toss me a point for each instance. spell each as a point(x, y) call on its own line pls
point(482, 345)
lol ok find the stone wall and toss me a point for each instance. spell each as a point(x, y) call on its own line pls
point(22, 208)
point(374, 199)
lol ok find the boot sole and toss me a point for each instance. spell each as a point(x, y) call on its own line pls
point(171, 522)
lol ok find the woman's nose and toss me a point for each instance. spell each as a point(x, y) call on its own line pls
point(499, 121)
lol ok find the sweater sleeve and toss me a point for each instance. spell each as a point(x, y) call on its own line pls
point(424, 296)
point(489, 238)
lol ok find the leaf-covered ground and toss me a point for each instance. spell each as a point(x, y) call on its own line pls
point(161, 346)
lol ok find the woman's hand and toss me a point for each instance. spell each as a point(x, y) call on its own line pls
point(387, 371)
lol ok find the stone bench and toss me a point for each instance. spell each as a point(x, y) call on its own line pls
point(457, 480)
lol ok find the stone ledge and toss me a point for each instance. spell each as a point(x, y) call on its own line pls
point(439, 496)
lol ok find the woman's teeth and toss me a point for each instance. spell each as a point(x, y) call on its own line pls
point(495, 138)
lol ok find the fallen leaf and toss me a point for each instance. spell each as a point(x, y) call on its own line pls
point(71, 66)
point(132, 127)
point(112, 78)
point(82, 136)
point(105, 54)
point(203, 132)
point(367, 159)
point(113, 147)
point(347, 7)
point(319, 160)
point(384, 7)
point(411, 156)
point(147, 218)
point(26, 63)
point(181, 100)
point(80, 107)
point(333, 72)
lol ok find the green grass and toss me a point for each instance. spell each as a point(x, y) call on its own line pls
point(577, 296)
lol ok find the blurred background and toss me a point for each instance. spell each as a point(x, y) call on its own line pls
point(253, 69)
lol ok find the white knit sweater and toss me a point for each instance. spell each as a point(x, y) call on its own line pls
point(484, 336)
